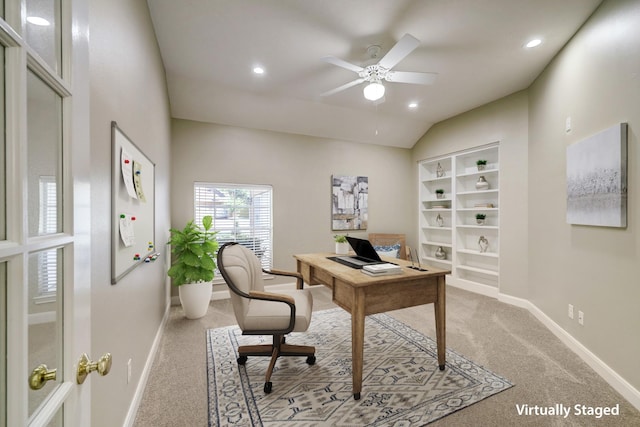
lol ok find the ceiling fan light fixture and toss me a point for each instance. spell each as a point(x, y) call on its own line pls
point(374, 91)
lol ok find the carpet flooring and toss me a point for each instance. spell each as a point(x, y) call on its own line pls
point(402, 384)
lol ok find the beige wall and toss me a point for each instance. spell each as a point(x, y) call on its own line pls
point(128, 86)
point(596, 81)
point(504, 120)
point(299, 168)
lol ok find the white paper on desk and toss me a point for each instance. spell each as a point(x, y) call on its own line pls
point(127, 233)
point(126, 164)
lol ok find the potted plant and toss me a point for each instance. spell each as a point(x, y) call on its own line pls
point(193, 265)
point(481, 164)
point(480, 217)
point(440, 193)
point(342, 246)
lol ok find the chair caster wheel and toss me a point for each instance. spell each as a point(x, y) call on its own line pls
point(311, 360)
point(242, 360)
point(267, 387)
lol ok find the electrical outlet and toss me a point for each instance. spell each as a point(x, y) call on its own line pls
point(129, 371)
point(570, 311)
point(581, 318)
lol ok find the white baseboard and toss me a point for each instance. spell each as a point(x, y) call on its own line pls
point(621, 385)
point(146, 370)
point(475, 287)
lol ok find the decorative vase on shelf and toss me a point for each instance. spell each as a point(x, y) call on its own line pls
point(439, 171)
point(439, 195)
point(480, 221)
point(439, 221)
point(440, 253)
point(483, 243)
point(482, 183)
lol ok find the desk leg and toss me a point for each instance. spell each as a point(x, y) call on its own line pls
point(440, 313)
point(357, 341)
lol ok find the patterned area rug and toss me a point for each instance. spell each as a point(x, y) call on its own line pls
point(402, 385)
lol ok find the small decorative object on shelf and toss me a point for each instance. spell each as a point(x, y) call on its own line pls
point(440, 193)
point(439, 171)
point(439, 221)
point(480, 218)
point(482, 183)
point(440, 253)
point(483, 243)
point(481, 164)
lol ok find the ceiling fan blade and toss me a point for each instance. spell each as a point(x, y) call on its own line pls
point(411, 77)
point(343, 87)
point(404, 47)
point(340, 63)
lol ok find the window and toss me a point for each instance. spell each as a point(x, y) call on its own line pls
point(241, 213)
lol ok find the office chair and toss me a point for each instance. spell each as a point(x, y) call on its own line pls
point(264, 313)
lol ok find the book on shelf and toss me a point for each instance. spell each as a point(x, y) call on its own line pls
point(381, 269)
point(484, 205)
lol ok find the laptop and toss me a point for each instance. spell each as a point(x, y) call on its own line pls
point(365, 254)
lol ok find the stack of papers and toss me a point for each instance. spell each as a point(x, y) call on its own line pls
point(381, 269)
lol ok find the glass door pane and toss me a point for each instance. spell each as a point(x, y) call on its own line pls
point(44, 151)
point(3, 151)
point(43, 31)
point(45, 320)
point(3, 344)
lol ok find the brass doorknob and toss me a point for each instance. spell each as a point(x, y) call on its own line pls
point(86, 366)
point(39, 377)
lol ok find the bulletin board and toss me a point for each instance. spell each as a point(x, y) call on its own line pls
point(132, 206)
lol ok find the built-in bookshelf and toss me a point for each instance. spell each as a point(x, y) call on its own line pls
point(460, 228)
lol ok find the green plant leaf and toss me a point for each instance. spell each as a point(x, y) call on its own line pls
point(206, 222)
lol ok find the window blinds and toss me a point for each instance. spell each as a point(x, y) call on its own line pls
point(241, 213)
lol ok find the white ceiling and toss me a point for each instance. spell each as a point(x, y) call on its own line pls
point(209, 48)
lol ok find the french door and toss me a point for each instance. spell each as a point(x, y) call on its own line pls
point(44, 274)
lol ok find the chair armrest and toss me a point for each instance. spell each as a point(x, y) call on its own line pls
point(298, 276)
point(272, 297)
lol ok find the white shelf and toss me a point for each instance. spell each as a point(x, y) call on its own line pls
point(438, 209)
point(432, 243)
point(437, 179)
point(476, 192)
point(461, 231)
point(477, 209)
point(432, 259)
point(474, 252)
point(478, 270)
point(478, 227)
point(476, 173)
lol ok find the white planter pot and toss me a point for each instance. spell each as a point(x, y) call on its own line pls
point(342, 248)
point(195, 298)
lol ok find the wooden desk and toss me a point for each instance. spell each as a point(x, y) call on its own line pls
point(361, 295)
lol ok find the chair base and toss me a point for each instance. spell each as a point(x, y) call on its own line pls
point(275, 350)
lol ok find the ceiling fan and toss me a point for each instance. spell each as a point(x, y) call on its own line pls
point(375, 74)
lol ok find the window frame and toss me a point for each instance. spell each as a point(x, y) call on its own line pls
point(258, 228)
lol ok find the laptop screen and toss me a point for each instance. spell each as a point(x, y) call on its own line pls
point(363, 248)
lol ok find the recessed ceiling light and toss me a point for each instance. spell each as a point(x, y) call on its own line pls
point(413, 105)
point(36, 20)
point(258, 70)
point(534, 43)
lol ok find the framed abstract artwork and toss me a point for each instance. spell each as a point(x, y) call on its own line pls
point(597, 179)
point(349, 202)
